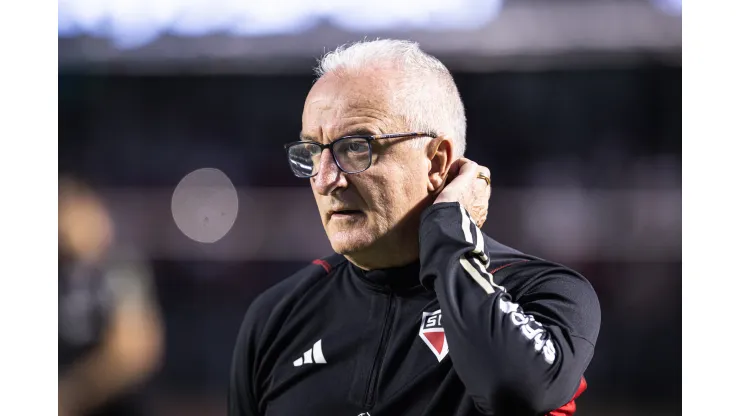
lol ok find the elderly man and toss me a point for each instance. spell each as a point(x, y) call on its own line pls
point(418, 312)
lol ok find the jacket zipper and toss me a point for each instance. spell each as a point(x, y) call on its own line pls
point(372, 385)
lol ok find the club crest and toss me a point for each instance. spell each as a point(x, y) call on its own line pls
point(433, 334)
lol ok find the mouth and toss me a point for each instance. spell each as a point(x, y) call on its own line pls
point(345, 214)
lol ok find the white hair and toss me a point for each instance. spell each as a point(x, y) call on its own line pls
point(427, 99)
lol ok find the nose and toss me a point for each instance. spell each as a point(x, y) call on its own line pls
point(329, 177)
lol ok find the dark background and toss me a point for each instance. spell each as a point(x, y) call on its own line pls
point(586, 167)
point(574, 105)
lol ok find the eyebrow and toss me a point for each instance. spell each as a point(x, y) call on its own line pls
point(357, 131)
point(306, 137)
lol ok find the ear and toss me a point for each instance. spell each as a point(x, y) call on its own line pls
point(439, 157)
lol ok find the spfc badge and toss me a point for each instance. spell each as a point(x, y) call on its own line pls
point(433, 334)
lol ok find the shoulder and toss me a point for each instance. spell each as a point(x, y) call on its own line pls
point(519, 271)
point(292, 287)
point(277, 300)
point(545, 284)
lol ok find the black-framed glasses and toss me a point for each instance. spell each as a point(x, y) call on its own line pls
point(352, 154)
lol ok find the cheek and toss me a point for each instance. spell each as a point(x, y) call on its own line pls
point(411, 182)
point(393, 189)
point(398, 194)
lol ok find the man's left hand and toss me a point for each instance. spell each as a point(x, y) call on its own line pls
point(464, 186)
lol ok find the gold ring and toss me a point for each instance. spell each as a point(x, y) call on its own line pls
point(485, 178)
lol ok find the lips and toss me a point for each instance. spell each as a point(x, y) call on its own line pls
point(344, 213)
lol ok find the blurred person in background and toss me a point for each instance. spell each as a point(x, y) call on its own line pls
point(419, 312)
point(110, 333)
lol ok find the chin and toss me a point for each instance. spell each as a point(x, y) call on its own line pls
point(348, 242)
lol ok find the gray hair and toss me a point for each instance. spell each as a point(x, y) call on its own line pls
point(427, 99)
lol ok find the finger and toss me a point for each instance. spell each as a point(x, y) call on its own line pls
point(469, 169)
point(487, 173)
point(484, 170)
point(454, 169)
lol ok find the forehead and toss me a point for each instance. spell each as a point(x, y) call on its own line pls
point(338, 103)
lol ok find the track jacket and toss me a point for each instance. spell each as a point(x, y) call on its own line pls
point(472, 328)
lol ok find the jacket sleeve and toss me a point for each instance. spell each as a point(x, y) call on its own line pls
point(515, 356)
point(242, 394)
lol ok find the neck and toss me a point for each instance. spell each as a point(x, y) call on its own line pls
point(397, 248)
point(385, 255)
point(375, 263)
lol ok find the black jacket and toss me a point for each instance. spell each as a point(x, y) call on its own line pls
point(473, 328)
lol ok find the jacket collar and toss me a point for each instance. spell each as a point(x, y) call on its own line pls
point(394, 279)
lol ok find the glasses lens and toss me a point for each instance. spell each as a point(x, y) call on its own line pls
point(353, 155)
point(304, 159)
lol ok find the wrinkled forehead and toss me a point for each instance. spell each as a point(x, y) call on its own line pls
point(339, 105)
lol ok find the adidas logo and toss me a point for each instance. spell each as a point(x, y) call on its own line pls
point(312, 356)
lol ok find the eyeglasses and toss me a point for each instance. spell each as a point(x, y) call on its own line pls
point(352, 154)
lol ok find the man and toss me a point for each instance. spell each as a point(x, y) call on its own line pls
point(110, 332)
point(419, 312)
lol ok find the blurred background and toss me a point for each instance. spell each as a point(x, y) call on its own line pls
point(575, 105)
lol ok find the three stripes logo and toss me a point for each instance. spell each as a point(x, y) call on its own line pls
point(313, 356)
